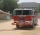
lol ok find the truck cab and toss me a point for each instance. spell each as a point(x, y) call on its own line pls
point(24, 17)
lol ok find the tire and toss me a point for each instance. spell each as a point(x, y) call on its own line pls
point(17, 26)
point(33, 26)
point(36, 23)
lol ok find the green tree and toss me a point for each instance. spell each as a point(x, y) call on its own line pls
point(9, 5)
point(1, 5)
point(39, 8)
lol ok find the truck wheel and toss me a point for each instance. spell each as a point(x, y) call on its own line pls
point(17, 26)
point(36, 23)
point(33, 26)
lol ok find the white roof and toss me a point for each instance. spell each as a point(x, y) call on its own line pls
point(23, 9)
point(1, 11)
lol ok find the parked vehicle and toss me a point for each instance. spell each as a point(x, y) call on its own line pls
point(25, 17)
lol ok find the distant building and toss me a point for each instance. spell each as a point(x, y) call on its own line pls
point(29, 5)
point(4, 15)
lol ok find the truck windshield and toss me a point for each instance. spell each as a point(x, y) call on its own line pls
point(27, 12)
point(18, 12)
point(23, 12)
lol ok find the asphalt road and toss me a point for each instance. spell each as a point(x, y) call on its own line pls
point(7, 29)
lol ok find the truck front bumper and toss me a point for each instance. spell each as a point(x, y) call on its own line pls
point(26, 23)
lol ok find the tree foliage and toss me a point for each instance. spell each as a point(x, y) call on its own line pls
point(9, 5)
point(39, 8)
point(1, 5)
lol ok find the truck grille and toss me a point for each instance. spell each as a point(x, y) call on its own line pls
point(22, 18)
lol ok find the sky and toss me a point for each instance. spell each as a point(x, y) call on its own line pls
point(38, 1)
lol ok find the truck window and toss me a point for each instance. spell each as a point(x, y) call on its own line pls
point(27, 12)
point(18, 12)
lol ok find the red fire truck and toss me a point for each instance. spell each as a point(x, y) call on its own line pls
point(25, 17)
